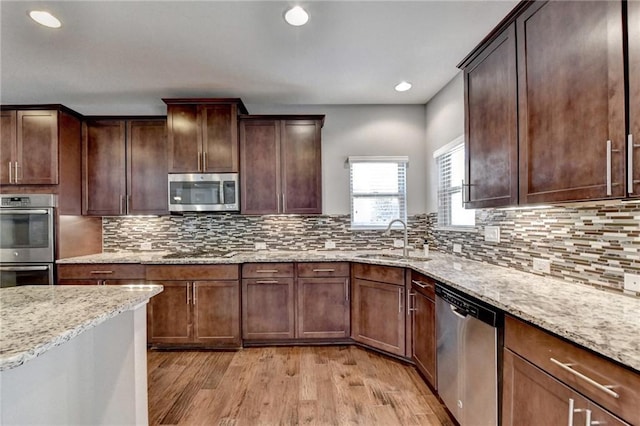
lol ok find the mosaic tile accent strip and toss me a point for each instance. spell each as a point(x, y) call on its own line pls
point(236, 232)
point(589, 244)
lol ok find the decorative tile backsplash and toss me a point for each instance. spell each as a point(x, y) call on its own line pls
point(236, 232)
point(590, 244)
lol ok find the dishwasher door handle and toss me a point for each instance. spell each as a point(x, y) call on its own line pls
point(456, 313)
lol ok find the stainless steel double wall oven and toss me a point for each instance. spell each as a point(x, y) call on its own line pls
point(26, 239)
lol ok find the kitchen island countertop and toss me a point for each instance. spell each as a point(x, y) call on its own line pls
point(605, 322)
point(35, 319)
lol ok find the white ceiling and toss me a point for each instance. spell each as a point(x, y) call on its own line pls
point(122, 57)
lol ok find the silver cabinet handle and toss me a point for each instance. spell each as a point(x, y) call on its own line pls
point(267, 282)
point(188, 292)
point(195, 293)
point(411, 307)
point(284, 203)
point(267, 271)
point(204, 161)
point(101, 272)
point(422, 284)
point(10, 172)
point(128, 204)
point(462, 195)
point(400, 300)
point(571, 404)
point(199, 161)
point(324, 270)
point(568, 367)
point(630, 163)
point(346, 290)
point(587, 420)
point(609, 167)
point(15, 175)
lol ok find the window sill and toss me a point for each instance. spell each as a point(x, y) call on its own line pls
point(468, 229)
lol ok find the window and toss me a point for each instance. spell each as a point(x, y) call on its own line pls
point(450, 164)
point(378, 191)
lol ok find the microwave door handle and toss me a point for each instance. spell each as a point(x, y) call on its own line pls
point(32, 211)
point(23, 268)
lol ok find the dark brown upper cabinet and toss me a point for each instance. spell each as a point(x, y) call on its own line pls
point(491, 124)
point(203, 135)
point(124, 166)
point(571, 102)
point(633, 31)
point(40, 152)
point(570, 109)
point(281, 164)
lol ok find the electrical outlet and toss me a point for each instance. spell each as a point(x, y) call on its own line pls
point(457, 248)
point(542, 265)
point(632, 282)
point(146, 245)
point(492, 234)
point(260, 246)
point(329, 244)
point(398, 243)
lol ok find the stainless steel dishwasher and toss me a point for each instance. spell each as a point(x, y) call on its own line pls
point(467, 350)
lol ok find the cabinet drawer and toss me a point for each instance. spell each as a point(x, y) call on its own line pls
point(267, 270)
point(192, 272)
point(423, 285)
point(101, 271)
point(592, 375)
point(385, 274)
point(323, 269)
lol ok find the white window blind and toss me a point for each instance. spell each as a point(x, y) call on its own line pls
point(450, 164)
point(378, 191)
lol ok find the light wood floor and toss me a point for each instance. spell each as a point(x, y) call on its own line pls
point(336, 385)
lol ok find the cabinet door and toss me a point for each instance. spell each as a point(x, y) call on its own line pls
point(532, 397)
point(633, 29)
point(220, 138)
point(184, 139)
point(216, 315)
point(147, 167)
point(491, 139)
point(378, 315)
point(323, 308)
point(37, 148)
point(267, 309)
point(103, 169)
point(260, 163)
point(7, 145)
point(169, 313)
point(571, 101)
point(301, 167)
point(424, 336)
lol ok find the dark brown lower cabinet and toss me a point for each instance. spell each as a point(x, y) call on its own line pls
point(423, 325)
point(268, 308)
point(323, 308)
point(203, 309)
point(533, 397)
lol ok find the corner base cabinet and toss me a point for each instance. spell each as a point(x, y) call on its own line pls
point(200, 306)
point(378, 307)
point(423, 324)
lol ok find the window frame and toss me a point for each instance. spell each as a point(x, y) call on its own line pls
point(401, 194)
point(449, 191)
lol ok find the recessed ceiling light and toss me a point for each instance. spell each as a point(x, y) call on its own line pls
point(296, 16)
point(403, 86)
point(45, 18)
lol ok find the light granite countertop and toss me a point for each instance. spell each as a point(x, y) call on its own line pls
point(603, 321)
point(35, 319)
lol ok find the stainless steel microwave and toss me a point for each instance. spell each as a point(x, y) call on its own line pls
point(204, 192)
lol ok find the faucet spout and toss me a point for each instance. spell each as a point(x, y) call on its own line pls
point(406, 236)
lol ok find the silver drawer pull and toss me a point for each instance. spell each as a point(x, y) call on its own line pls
point(604, 388)
point(267, 282)
point(267, 271)
point(101, 272)
point(324, 270)
point(422, 284)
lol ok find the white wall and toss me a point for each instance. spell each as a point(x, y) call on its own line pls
point(365, 130)
point(444, 123)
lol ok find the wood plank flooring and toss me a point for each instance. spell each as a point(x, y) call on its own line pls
point(315, 385)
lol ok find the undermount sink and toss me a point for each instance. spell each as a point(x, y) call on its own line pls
point(391, 256)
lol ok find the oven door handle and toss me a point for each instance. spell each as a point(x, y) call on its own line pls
point(23, 268)
point(31, 211)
